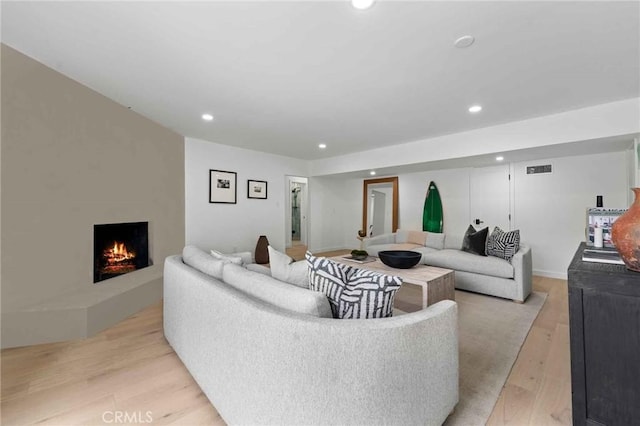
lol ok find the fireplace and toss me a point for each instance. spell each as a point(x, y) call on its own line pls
point(119, 248)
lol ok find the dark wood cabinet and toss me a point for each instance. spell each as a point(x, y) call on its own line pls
point(604, 321)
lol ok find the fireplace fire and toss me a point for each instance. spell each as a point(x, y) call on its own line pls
point(119, 248)
point(118, 260)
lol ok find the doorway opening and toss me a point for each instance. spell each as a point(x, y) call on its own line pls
point(296, 196)
point(295, 214)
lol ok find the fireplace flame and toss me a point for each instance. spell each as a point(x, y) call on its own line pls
point(118, 253)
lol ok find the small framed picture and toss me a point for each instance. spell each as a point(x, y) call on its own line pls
point(222, 187)
point(257, 189)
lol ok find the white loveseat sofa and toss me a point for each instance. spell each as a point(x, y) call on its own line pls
point(260, 360)
point(481, 274)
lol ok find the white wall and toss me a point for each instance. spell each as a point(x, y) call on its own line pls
point(235, 227)
point(600, 121)
point(336, 214)
point(337, 205)
point(631, 158)
point(636, 161)
point(633, 166)
point(453, 185)
point(550, 209)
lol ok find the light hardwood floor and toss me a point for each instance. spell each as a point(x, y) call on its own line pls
point(297, 251)
point(538, 390)
point(130, 369)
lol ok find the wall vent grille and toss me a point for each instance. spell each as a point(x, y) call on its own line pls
point(534, 170)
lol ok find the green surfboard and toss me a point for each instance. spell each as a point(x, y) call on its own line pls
point(432, 216)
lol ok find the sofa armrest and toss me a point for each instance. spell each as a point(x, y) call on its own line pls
point(523, 272)
point(378, 239)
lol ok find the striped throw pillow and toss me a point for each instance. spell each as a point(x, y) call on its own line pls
point(503, 244)
point(353, 293)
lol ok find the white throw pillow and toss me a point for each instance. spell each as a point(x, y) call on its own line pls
point(410, 237)
point(241, 258)
point(200, 260)
point(402, 236)
point(284, 268)
point(435, 240)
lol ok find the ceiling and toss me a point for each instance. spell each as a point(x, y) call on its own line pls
point(282, 77)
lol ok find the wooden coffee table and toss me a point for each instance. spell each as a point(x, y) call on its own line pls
point(435, 284)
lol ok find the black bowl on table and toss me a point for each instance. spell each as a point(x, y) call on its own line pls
point(401, 259)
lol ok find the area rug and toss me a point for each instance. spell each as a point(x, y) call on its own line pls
point(491, 333)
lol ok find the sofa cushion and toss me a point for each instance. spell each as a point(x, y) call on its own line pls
point(424, 251)
point(353, 293)
point(405, 246)
point(256, 267)
point(503, 244)
point(202, 261)
point(435, 240)
point(272, 291)
point(475, 241)
point(411, 237)
point(453, 241)
point(284, 268)
point(373, 250)
point(467, 262)
point(241, 258)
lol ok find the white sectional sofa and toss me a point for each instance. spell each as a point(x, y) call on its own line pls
point(266, 352)
point(482, 274)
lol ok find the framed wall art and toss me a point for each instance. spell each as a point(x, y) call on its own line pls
point(257, 189)
point(222, 187)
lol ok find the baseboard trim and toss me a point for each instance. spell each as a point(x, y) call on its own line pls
point(550, 274)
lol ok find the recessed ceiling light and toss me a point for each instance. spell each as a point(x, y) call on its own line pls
point(362, 4)
point(372, 172)
point(464, 41)
point(499, 158)
point(207, 117)
point(322, 145)
point(475, 108)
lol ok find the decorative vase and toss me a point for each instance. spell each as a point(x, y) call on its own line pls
point(262, 251)
point(625, 234)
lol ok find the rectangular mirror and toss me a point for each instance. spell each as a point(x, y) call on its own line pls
point(379, 206)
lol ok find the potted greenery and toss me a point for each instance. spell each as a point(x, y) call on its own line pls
point(359, 254)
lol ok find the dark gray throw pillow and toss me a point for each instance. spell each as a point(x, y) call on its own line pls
point(475, 241)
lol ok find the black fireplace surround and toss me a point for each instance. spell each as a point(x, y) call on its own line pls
point(119, 248)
